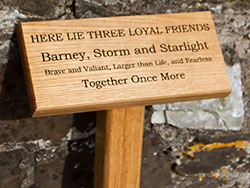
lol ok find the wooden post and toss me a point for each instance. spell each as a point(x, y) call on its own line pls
point(119, 134)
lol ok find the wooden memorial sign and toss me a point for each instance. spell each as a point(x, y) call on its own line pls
point(101, 63)
point(106, 63)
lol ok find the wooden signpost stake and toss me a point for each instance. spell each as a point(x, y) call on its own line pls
point(120, 64)
point(118, 150)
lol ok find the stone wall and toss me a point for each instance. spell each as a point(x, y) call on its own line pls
point(178, 152)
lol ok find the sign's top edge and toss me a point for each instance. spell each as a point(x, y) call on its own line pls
point(106, 18)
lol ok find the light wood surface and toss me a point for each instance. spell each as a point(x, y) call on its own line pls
point(119, 147)
point(175, 71)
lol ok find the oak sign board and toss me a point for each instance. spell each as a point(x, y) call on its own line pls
point(102, 63)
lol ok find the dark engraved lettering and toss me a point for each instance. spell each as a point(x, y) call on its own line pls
point(145, 50)
point(167, 76)
point(187, 28)
point(75, 36)
point(96, 68)
point(50, 37)
point(99, 84)
point(138, 79)
point(46, 56)
point(54, 72)
point(144, 31)
point(185, 46)
point(124, 66)
point(197, 60)
point(106, 33)
point(110, 53)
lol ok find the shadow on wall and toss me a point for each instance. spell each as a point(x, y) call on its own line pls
point(79, 165)
point(13, 96)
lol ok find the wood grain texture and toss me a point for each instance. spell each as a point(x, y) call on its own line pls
point(185, 74)
point(118, 150)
